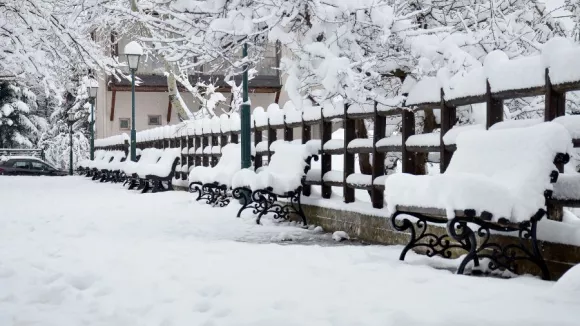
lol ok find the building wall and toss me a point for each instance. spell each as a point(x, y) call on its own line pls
point(152, 103)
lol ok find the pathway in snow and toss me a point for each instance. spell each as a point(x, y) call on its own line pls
point(74, 252)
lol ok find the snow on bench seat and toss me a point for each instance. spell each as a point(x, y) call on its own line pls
point(504, 172)
point(223, 172)
point(283, 174)
point(191, 151)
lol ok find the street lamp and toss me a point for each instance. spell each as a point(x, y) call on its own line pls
point(92, 88)
point(71, 120)
point(133, 51)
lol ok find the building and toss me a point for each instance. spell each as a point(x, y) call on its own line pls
point(152, 105)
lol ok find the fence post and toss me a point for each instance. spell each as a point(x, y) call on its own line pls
point(257, 140)
point(555, 105)
point(378, 195)
point(448, 117)
point(198, 145)
point(288, 132)
point(348, 158)
point(494, 108)
point(214, 142)
point(325, 159)
point(204, 144)
point(272, 136)
point(407, 130)
point(306, 134)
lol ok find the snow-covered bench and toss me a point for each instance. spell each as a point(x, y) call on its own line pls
point(129, 170)
point(109, 171)
point(162, 171)
point(213, 183)
point(282, 179)
point(86, 166)
point(83, 167)
point(96, 165)
point(498, 180)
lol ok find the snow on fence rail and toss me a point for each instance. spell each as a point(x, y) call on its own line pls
point(499, 79)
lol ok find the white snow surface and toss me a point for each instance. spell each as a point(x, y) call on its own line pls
point(504, 172)
point(427, 90)
point(429, 139)
point(571, 123)
point(165, 259)
point(450, 137)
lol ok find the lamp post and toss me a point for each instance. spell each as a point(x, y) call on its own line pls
point(133, 51)
point(245, 117)
point(71, 120)
point(92, 88)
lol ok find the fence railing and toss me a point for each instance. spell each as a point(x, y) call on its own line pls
point(200, 140)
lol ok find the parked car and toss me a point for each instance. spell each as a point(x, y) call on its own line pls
point(27, 165)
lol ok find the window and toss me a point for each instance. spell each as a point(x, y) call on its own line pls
point(124, 123)
point(154, 120)
point(39, 166)
point(21, 165)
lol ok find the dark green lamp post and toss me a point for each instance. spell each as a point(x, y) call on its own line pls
point(133, 51)
point(245, 118)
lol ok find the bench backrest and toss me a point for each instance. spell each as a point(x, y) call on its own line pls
point(168, 157)
point(150, 156)
point(108, 156)
point(520, 159)
point(118, 156)
point(99, 154)
point(231, 159)
point(289, 159)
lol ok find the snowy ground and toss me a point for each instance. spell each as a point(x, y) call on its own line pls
point(74, 252)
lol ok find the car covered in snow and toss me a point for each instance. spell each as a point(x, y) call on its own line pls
point(27, 165)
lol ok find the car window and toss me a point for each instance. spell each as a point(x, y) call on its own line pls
point(20, 164)
point(39, 166)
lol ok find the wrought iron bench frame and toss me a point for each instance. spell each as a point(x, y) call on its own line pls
point(500, 257)
point(155, 182)
point(264, 201)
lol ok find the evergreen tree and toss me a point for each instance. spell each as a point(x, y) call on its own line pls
point(20, 127)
